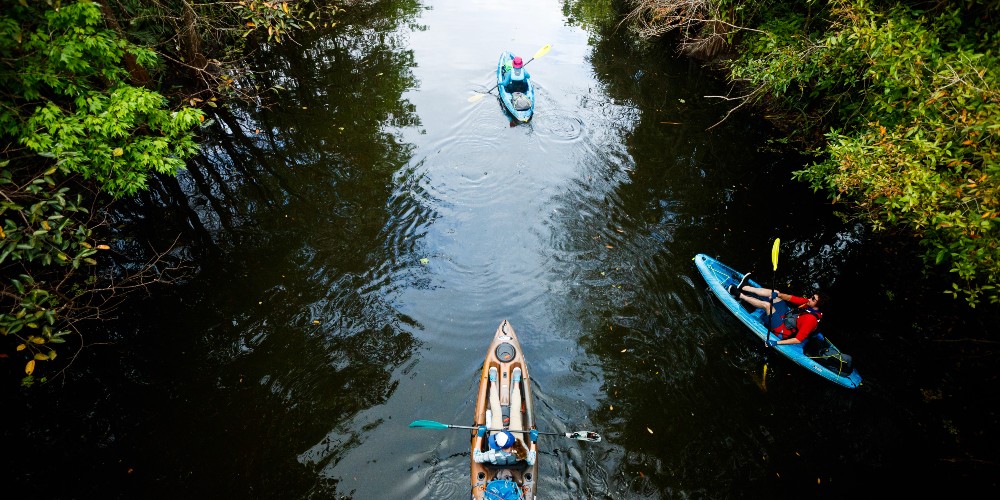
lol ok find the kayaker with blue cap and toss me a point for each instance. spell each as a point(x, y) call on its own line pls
point(501, 450)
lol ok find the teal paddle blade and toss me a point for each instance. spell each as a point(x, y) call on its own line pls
point(427, 424)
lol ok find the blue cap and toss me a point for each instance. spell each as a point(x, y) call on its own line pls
point(506, 440)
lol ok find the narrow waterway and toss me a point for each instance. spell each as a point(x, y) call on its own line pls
point(354, 244)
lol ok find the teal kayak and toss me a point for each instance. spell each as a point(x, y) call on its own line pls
point(519, 102)
point(817, 354)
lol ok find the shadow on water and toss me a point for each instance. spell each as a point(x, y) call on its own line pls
point(682, 379)
point(300, 214)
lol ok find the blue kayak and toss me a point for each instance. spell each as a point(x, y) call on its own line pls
point(520, 101)
point(817, 354)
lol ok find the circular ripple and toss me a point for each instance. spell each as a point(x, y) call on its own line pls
point(559, 126)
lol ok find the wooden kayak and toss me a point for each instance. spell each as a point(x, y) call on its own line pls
point(820, 356)
point(513, 397)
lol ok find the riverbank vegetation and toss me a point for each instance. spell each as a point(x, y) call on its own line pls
point(897, 102)
point(95, 98)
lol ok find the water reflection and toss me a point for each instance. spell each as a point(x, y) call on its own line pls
point(313, 219)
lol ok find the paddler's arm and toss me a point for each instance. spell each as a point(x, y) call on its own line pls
point(792, 340)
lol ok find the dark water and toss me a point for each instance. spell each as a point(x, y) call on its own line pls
point(356, 242)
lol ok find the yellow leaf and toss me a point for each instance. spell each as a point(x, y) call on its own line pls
point(22, 347)
point(118, 152)
point(611, 407)
point(103, 247)
point(45, 225)
point(84, 244)
point(36, 340)
point(52, 355)
point(41, 357)
point(2, 234)
point(650, 430)
point(284, 7)
point(30, 367)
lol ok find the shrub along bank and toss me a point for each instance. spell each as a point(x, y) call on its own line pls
point(82, 123)
point(899, 102)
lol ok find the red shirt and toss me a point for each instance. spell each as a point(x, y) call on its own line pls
point(805, 323)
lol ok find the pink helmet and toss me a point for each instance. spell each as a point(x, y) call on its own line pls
point(517, 62)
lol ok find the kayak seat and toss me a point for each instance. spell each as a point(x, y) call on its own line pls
point(520, 87)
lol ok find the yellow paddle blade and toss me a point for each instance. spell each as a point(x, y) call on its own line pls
point(774, 253)
point(542, 51)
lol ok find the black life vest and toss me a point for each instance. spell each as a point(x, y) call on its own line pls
point(791, 319)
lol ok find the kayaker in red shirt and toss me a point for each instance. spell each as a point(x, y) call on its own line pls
point(792, 317)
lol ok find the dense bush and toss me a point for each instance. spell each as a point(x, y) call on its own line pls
point(900, 106)
point(73, 130)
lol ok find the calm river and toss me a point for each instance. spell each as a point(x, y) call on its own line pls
point(355, 243)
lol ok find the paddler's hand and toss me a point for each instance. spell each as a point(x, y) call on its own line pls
point(772, 343)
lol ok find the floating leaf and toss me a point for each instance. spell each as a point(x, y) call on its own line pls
point(650, 430)
point(424, 260)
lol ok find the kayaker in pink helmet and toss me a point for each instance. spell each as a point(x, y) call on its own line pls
point(516, 78)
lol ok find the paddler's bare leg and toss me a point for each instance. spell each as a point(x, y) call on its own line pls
point(515, 404)
point(755, 297)
point(497, 412)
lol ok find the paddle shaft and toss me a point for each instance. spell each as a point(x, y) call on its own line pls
point(512, 430)
point(578, 435)
point(774, 276)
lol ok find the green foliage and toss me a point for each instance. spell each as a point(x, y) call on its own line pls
point(908, 106)
point(70, 100)
point(72, 129)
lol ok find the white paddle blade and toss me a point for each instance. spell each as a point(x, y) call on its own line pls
point(589, 436)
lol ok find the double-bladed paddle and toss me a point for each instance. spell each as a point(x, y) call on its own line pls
point(589, 436)
point(774, 276)
point(541, 52)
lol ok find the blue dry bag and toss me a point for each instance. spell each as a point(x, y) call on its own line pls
point(503, 489)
